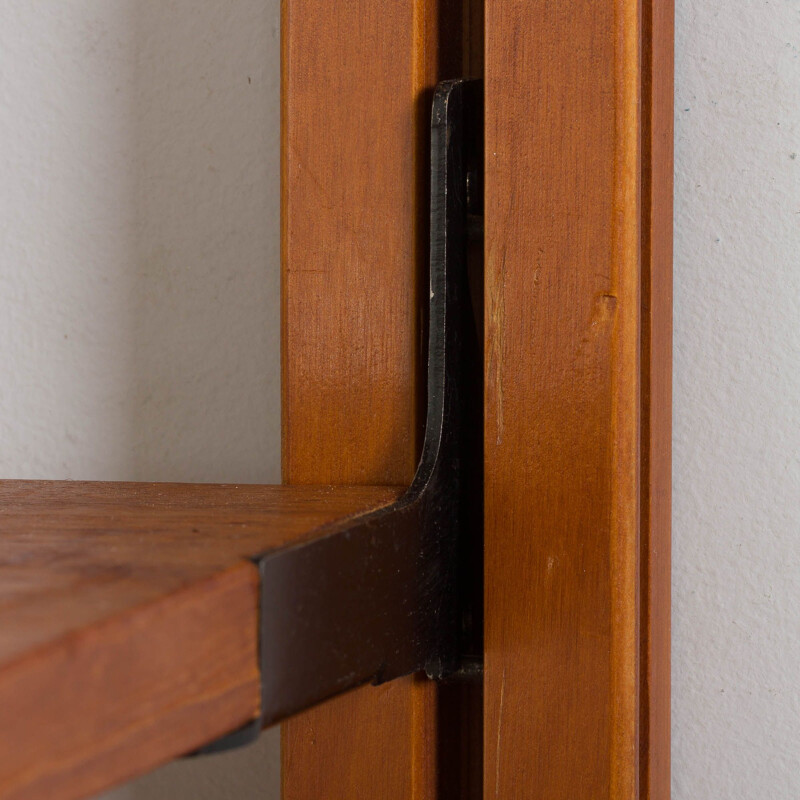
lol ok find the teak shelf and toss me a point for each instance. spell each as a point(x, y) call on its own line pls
point(129, 620)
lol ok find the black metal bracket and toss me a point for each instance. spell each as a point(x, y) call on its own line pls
point(389, 593)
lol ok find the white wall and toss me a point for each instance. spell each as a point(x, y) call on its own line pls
point(139, 263)
point(139, 320)
point(736, 575)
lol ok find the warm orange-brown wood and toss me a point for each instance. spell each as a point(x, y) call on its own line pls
point(129, 620)
point(577, 400)
point(658, 36)
point(357, 84)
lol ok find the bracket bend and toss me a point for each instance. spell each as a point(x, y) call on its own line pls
point(382, 595)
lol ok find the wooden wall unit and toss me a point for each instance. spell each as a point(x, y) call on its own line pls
point(130, 626)
point(577, 358)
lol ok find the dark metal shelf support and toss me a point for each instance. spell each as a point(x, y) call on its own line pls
point(389, 593)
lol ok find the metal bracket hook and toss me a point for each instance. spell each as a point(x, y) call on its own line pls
point(384, 594)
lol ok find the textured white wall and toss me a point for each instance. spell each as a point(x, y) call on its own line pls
point(736, 575)
point(139, 263)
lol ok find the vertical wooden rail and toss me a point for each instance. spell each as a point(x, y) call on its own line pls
point(658, 36)
point(356, 88)
point(577, 427)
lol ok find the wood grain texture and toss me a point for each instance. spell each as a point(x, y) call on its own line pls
point(658, 38)
point(104, 704)
point(566, 399)
point(357, 83)
point(129, 622)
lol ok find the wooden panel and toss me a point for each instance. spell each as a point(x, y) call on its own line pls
point(356, 110)
point(657, 157)
point(569, 405)
point(128, 620)
point(106, 703)
point(357, 81)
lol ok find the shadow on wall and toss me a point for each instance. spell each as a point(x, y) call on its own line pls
point(206, 311)
point(139, 240)
point(252, 773)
